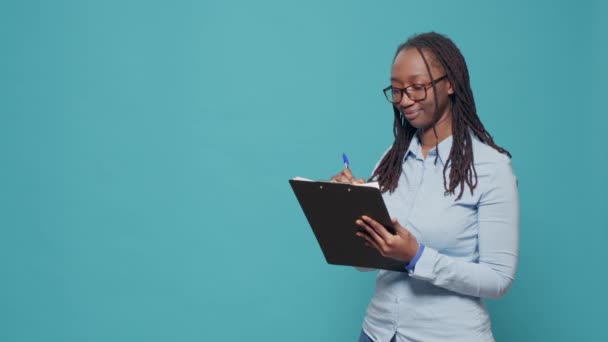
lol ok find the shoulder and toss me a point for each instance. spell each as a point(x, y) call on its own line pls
point(491, 166)
point(487, 155)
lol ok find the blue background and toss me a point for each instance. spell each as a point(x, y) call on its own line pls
point(146, 146)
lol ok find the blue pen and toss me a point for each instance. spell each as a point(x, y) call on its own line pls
point(345, 159)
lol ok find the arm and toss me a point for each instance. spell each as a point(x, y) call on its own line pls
point(498, 217)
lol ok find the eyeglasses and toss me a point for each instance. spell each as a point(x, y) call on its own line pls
point(416, 92)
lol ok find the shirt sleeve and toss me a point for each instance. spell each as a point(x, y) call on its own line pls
point(498, 217)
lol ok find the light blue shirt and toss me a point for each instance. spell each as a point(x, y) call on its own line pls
point(471, 250)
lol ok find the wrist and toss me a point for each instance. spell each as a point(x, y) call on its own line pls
point(413, 250)
point(412, 263)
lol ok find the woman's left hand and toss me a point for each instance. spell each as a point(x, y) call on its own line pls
point(402, 246)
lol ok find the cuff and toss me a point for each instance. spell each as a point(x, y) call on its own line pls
point(410, 266)
point(425, 265)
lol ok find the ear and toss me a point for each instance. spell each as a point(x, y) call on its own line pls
point(450, 88)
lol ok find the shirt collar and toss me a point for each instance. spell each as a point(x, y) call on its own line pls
point(445, 146)
point(414, 149)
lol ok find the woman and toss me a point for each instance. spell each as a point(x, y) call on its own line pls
point(453, 197)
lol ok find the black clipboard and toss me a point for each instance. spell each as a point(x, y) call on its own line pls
point(332, 209)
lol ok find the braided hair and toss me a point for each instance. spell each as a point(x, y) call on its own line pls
point(464, 120)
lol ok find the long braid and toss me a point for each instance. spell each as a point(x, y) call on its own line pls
point(464, 121)
point(388, 171)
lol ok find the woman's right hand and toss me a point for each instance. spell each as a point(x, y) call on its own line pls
point(345, 176)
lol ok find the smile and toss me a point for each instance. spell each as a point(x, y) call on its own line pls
point(411, 115)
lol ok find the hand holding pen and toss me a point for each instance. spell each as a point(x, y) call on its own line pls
point(345, 176)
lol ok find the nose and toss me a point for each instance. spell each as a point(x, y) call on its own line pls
point(405, 101)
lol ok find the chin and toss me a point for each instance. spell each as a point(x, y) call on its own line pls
point(419, 123)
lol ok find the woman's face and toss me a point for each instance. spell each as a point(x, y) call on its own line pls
point(408, 69)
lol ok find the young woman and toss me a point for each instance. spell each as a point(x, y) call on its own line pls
point(453, 197)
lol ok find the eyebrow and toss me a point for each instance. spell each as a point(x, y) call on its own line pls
point(411, 76)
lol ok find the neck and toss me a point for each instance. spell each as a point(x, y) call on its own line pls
point(443, 127)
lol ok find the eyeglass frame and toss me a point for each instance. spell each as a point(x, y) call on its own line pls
point(405, 90)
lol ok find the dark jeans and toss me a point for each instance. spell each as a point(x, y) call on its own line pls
point(364, 338)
